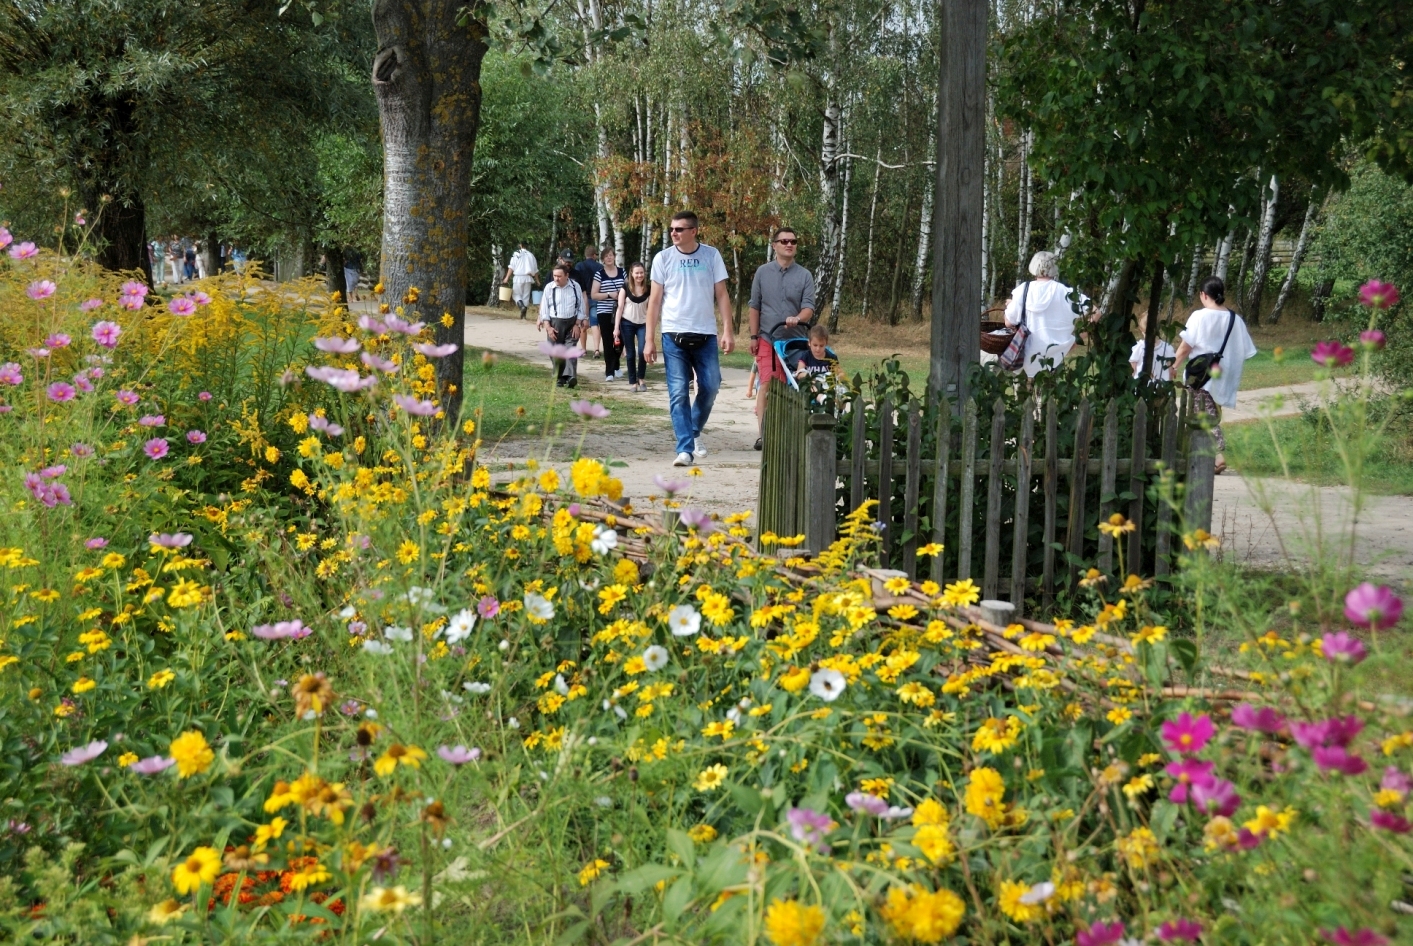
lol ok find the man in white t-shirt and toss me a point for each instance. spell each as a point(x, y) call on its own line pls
point(525, 270)
point(1211, 329)
point(688, 292)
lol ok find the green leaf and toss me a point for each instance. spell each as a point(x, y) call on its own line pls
point(747, 798)
point(1186, 652)
point(574, 933)
point(1165, 815)
point(680, 844)
point(678, 896)
point(639, 879)
point(724, 867)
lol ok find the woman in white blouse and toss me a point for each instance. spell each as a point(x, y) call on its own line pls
point(1049, 314)
point(1211, 329)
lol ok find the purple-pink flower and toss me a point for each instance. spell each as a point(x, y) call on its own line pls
point(175, 540)
point(1215, 796)
point(41, 289)
point(199, 297)
point(204, 396)
point(1389, 821)
point(588, 409)
point(1180, 929)
point(152, 420)
point(58, 340)
point(282, 630)
point(1262, 719)
point(395, 324)
point(10, 373)
point(1187, 772)
point(5, 238)
point(341, 379)
point(669, 485)
point(324, 425)
point(48, 493)
point(370, 324)
point(1343, 648)
point(195, 436)
point(1342, 936)
point(1374, 607)
point(152, 765)
point(434, 351)
point(1395, 780)
point(1338, 731)
point(126, 398)
point(810, 827)
point(82, 383)
point(1332, 354)
point(1378, 295)
point(26, 250)
point(97, 542)
point(88, 305)
point(106, 333)
point(337, 346)
point(81, 450)
point(181, 306)
point(414, 406)
point(382, 364)
point(84, 753)
point(488, 607)
point(1373, 339)
point(696, 519)
point(458, 755)
point(1187, 734)
point(61, 391)
point(1338, 759)
point(866, 803)
point(156, 448)
point(561, 351)
point(132, 294)
point(1100, 934)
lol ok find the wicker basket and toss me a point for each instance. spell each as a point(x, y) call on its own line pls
point(995, 344)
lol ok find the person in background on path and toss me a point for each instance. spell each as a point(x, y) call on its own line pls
point(583, 273)
point(1048, 314)
point(688, 293)
point(1163, 353)
point(352, 271)
point(174, 270)
point(564, 317)
point(782, 305)
point(238, 258)
point(818, 362)
point(1206, 333)
point(189, 263)
point(524, 269)
point(605, 289)
point(156, 254)
point(631, 326)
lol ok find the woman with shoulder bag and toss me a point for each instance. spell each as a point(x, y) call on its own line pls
point(1218, 344)
point(1043, 316)
point(631, 328)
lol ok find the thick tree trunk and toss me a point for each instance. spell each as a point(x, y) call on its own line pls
point(427, 78)
point(211, 250)
point(1297, 257)
point(1150, 335)
point(1262, 266)
point(333, 272)
point(872, 216)
point(122, 235)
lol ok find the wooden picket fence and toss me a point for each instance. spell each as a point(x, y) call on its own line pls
point(1036, 510)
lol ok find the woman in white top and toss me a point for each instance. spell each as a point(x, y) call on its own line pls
point(630, 329)
point(1206, 332)
point(1049, 314)
point(1163, 353)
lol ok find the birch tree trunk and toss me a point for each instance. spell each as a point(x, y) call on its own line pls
point(828, 193)
point(872, 216)
point(924, 239)
point(1192, 275)
point(1262, 265)
point(1296, 258)
point(497, 273)
point(1224, 255)
point(838, 297)
point(1024, 207)
point(427, 79)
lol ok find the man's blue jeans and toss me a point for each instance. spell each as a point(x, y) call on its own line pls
point(689, 417)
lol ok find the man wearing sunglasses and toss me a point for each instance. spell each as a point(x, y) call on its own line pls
point(688, 292)
point(782, 306)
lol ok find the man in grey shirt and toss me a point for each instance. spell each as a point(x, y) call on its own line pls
point(782, 305)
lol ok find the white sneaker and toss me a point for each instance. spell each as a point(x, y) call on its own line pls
point(683, 459)
point(699, 449)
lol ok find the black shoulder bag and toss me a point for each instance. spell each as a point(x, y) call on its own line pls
point(1198, 371)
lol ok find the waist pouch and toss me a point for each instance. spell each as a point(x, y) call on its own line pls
point(688, 340)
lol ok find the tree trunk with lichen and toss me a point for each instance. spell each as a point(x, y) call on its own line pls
point(427, 78)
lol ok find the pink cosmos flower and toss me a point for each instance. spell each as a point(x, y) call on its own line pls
point(6, 408)
point(1378, 295)
point(47, 493)
point(199, 297)
point(1374, 607)
point(1342, 936)
point(382, 364)
point(106, 333)
point(95, 543)
point(1339, 731)
point(194, 437)
point(81, 450)
point(810, 826)
point(1396, 781)
point(866, 803)
point(51, 472)
point(131, 294)
point(668, 485)
point(696, 519)
point(60, 391)
point(37, 352)
point(1373, 339)
point(1187, 773)
point(88, 305)
point(1389, 821)
point(434, 351)
point(156, 448)
point(414, 406)
point(1215, 796)
point(1100, 934)
point(58, 340)
point(204, 396)
point(1264, 719)
point(341, 379)
point(337, 346)
point(370, 324)
point(324, 426)
point(488, 607)
point(181, 306)
point(10, 373)
point(127, 398)
point(24, 250)
point(79, 219)
point(561, 351)
point(152, 765)
point(1180, 929)
point(82, 383)
point(588, 410)
point(152, 420)
point(5, 238)
point(1338, 759)
point(41, 289)
point(1188, 734)
point(1332, 354)
point(283, 630)
point(84, 753)
point(1342, 648)
point(458, 755)
point(176, 540)
point(396, 324)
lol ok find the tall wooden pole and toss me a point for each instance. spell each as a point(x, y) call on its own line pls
point(961, 142)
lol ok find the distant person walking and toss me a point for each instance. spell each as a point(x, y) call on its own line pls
point(1215, 329)
point(782, 306)
point(189, 263)
point(1045, 308)
point(524, 269)
point(352, 271)
point(608, 283)
point(688, 293)
point(630, 329)
point(583, 274)
point(564, 317)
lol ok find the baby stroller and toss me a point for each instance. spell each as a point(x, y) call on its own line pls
point(789, 351)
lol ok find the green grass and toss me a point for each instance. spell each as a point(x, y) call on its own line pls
point(516, 397)
point(1311, 453)
point(1266, 371)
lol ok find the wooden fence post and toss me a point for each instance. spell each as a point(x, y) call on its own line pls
point(885, 474)
point(939, 483)
point(1019, 544)
point(1162, 563)
point(1052, 490)
point(1108, 482)
point(991, 564)
point(1079, 479)
point(968, 493)
point(911, 487)
point(1137, 484)
point(1201, 480)
point(820, 476)
point(857, 492)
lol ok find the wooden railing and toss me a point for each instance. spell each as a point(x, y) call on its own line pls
point(1023, 487)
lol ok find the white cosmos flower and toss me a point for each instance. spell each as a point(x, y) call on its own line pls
point(424, 598)
point(684, 620)
point(605, 539)
point(827, 684)
point(459, 628)
point(560, 686)
point(348, 612)
point(1038, 894)
point(394, 633)
point(513, 723)
point(380, 648)
point(538, 606)
point(655, 657)
point(477, 688)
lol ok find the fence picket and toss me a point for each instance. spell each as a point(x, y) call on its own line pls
point(885, 473)
point(1163, 560)
point(968, 491)
point(1052, 492)
point(991, 574)
point(856, 482)
point(939, 484)
point(1136, 485)
point(1020, 541)
point(1079, 480)
point(911, 487)
point(1108, 478)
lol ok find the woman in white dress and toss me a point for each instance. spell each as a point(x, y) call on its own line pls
point(1208, 330)
point(1049, 314)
